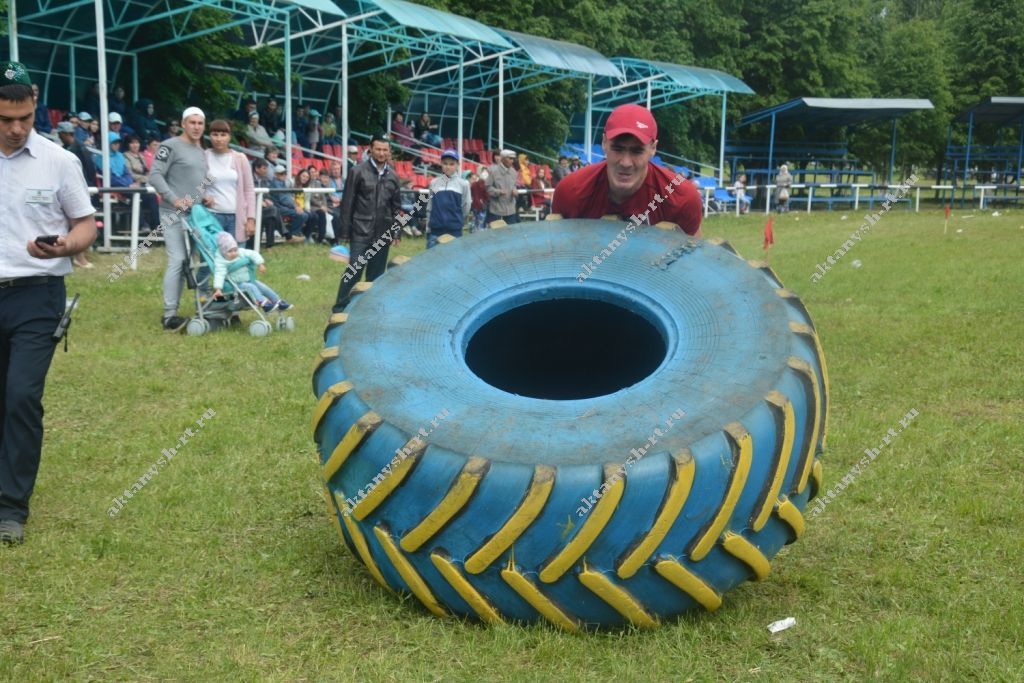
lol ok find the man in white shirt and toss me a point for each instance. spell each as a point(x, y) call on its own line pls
point(42, 194)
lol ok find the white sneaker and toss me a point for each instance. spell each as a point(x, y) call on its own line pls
point(407, 230)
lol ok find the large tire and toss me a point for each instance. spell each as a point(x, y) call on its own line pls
point(521, 498)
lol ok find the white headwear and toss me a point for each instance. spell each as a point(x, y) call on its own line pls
point(192, 111)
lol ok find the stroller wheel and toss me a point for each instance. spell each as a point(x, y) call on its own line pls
point(197, 327)
point(289, 324)
point(260, 328)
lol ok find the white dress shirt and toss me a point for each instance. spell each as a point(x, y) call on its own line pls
point(42, 189)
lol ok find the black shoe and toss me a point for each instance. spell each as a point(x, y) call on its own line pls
point(175, 323)
point(11, 532)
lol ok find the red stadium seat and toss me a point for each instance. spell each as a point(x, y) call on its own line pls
point(430, 156)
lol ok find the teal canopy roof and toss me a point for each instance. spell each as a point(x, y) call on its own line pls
point(559, 54)
point(836, 112)
point(998, 110)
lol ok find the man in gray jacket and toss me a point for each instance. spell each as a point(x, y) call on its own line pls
point(179, 175)
point(501, 188)
point(370, 206)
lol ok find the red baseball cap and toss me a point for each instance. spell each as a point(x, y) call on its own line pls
point(631, 119)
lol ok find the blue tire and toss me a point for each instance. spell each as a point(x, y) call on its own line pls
point(509, 435)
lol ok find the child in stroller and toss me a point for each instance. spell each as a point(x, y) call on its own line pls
point(218, 303)
point(230, 256)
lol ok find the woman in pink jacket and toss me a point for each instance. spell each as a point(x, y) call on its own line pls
point(230, 196)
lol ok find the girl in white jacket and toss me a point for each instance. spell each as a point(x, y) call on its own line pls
point(230, 257)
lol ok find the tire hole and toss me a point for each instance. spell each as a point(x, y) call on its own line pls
point(565, 349)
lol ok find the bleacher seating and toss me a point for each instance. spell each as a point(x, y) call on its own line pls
point(726, 200)
point(430, 156)
point(404, 169)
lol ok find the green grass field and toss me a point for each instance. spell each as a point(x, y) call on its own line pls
point(226, 567)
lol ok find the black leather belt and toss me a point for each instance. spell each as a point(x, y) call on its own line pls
point(26, 281)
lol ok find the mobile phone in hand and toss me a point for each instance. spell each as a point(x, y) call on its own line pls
point(48, 239)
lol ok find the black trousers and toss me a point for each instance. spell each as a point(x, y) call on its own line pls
point(271, 222)
point(511, 220)
point(374, 266)
point(317, 223)
point(28, 317)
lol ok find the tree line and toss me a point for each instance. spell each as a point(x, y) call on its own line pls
point(953, 53)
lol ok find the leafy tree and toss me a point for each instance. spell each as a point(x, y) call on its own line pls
point(986, 39)
point(910, 65)
point(951, 52)
point(180, 75)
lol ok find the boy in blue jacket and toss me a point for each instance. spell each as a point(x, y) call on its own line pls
point(450, 200)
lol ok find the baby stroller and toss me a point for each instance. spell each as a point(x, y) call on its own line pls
point(213, 314)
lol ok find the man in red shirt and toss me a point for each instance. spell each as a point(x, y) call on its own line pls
point(627, 184)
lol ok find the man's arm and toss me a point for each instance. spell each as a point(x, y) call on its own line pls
point(559, 204)
point(80, 238)
point(688, 211)
point(162, 160)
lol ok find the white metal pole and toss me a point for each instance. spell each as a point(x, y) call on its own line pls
point(462, 75)
point(501, 102)
point(588, 138)
point(810, 197)
point(12, 29)
point(260, 193)
point(71, 68)
point(135, 78)
point(136, 202)
point(344, 99)
point(721, 147)
point(288, 96)
point(101, 61)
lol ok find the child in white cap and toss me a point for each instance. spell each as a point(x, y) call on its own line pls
point(231, 257)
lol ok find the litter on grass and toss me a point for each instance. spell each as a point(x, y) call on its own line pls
point(782, 624)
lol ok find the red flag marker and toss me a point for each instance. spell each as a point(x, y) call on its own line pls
point(946, 225)
point(769, 236)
